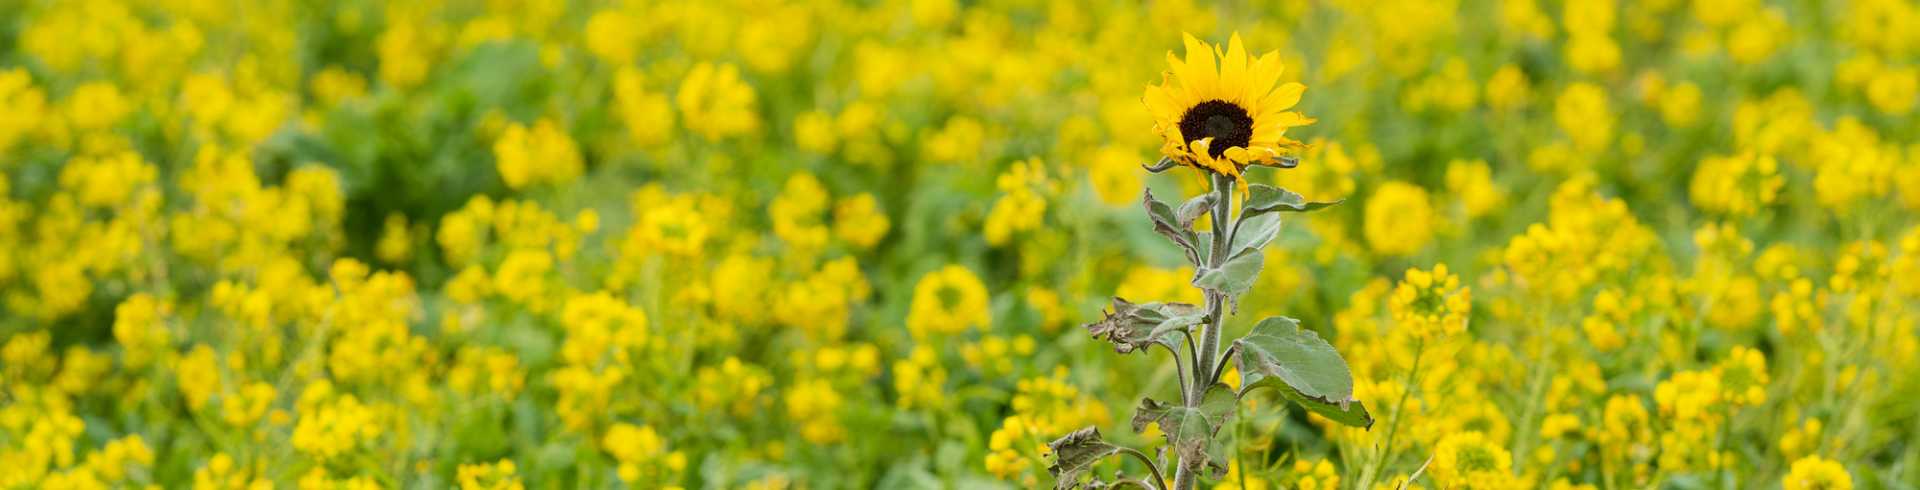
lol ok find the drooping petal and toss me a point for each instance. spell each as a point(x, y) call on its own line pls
point(1202, 147)
point(1238, 155)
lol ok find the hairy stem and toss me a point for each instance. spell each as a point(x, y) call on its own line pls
point(1180, 367)
point(1220, 368)
point(1216, 303)
point(1204, 363)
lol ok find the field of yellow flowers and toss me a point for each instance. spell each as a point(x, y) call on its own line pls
point(824, 244)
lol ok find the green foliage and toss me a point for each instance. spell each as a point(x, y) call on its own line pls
point(1075, 454)
point(1277, 353)
point(1168, 224)
point(1134, 327)
point(1302, 366)
point(1189, 428)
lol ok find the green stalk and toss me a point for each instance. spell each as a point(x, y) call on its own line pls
point(1216, 303)
point(1203, 365)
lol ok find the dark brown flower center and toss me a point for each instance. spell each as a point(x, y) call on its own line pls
point(1228, 124)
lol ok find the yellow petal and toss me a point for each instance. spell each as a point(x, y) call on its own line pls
point(1283, 98)
point(1160, 104)
point(1202, 147)
point(1261, 78)
point(1202, 75)
point(1237, 155)
point(1233, 73)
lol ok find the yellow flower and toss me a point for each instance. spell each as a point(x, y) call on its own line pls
point(1680, 105)
point(1472, 182)
point(396, 240)
point(406, 50)
point(96, 106)
point(813, 131)
point(199, 376)
point(1743, 376)
point(613, 36)
point(1508, 89)
point(1894, 90)
point(333, 429)
point(489, 476)
point(1817, 473)
point(1115, 173)
point(815, 406)
point(1758, 37)
point(642, 454)
point(140, 325)
point(24, 104)
point(1399, 219)
point(948, 301)
point(1223, 117)
point(771, 41)
point(858, 221)
point(648, 115)
point(716, 103)
point(1467, 460)
point(541, 155)
point(1584, 116)
point(798, 211)
point(1023, 207)
point(958, 141)
point(920, 380)
point(1432, 304)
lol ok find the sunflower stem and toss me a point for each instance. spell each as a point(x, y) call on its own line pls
point(1204, 363)
point(1216, 302)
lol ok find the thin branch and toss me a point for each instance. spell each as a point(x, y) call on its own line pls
point(1186, 394)
point(1400, 408)
point(1157, 477)
point(1416, 474)
point(1179, 366)
point(1220, 368)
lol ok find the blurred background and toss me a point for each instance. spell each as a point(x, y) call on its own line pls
point(848, 244)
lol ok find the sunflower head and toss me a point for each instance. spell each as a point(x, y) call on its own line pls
point(1222, 111)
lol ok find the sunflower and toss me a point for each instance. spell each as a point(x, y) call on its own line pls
point(1227, 116)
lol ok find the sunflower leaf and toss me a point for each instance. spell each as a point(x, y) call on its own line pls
point(1262, 199)
point(1167, 224)
point(1195, 208)
point(1075, 454)
point(1302, 366)
point(1233, 278)
point(1189, 430)
point(1254, 232)
point(1133, 327)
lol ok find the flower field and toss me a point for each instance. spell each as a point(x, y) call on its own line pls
point(790, 244)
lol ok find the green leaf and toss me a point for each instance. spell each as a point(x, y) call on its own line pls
point(1195, 208)
point(1262, 199)
point(1204, 253)
point(1189, 430)
point(1134, 327)
point(1302, 366)
point(1254, 233)
point(1075, 454)
point(1167, 224)
point(1233, 278)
